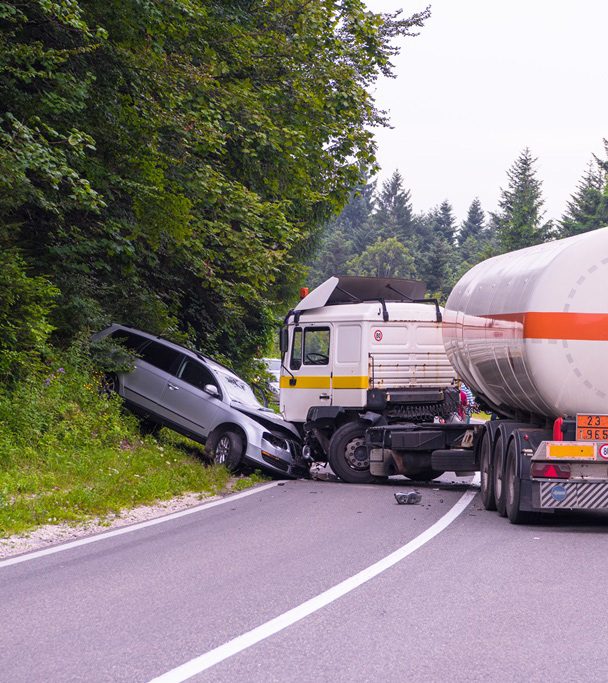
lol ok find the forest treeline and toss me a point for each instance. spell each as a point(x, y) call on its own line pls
point(177, 164)
point(378, 233)
point(170, 164)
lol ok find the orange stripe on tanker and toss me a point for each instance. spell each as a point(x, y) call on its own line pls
point(534, 325)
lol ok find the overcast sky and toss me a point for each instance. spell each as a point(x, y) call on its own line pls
point(483, 80)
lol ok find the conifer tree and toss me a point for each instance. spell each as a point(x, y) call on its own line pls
point(394, 216)
point(472, 235)
point(442, 221)
point(437, 265)
point(588, 206)
point(335, 252)
point(475, 223)
point(520, 219)
point(356, 217)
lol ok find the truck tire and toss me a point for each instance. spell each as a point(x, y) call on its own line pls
point(486, 471)
point(512, 486)
point(498, 466)
point(348, 455)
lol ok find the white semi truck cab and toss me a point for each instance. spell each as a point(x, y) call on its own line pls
point(358, 352)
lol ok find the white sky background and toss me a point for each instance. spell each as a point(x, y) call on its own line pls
point(483, 80)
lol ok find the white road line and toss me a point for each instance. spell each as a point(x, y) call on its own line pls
point(242, 642)
point(133, 527)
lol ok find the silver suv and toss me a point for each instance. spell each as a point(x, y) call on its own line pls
point(205, 401)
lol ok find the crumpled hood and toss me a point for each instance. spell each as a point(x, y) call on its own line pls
point(267, 418)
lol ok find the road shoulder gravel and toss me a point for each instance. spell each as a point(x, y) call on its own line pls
point(52, 534)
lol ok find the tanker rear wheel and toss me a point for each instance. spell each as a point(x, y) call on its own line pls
point(513, 490)
point(498, 467)
point(486, 472)
point(348, 455)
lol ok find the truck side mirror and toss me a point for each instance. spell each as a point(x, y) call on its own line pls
point(283, 340)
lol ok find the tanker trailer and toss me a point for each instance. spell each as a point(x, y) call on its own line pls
point(528, 331)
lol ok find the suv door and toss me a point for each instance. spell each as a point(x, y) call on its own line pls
point(145, 386)
point(189, 404)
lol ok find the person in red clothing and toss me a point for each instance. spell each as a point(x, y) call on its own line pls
point(462, 404)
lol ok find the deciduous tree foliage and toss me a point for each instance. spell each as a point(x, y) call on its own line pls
point(384, 258)
point(169, 163)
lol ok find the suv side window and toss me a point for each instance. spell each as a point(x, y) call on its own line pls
point(129, 340)
point(160, 356)
point(196, 373)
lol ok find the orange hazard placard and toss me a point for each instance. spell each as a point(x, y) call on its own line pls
point(592, 427)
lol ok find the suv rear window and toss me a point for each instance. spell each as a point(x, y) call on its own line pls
point(129, 340)
point(160, 356)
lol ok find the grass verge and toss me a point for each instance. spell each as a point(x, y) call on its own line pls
point(68, 454)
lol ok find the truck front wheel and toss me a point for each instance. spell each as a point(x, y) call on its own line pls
point(348, 456)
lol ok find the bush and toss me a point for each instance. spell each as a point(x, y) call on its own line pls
point(67, 452)
point(25, 303)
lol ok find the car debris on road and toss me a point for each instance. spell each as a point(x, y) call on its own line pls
point(408, 497)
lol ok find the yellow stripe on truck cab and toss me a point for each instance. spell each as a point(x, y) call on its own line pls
point(324, 382)
point(350, 382)
point(306, 382)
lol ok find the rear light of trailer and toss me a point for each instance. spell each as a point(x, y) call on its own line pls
point(550, 470)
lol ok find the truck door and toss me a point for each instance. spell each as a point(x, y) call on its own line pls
point(309, 362)
point(350, 379)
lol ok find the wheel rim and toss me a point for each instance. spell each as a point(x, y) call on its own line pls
point(355, 454)
point(222, 450)
point(498, 471)
point(110, 385)
point(510, 484)
point(485, 465)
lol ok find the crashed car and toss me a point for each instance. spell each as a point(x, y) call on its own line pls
point(200, 398)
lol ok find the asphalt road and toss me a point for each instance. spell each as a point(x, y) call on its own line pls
point(481, 600)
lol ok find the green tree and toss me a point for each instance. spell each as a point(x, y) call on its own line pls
point(437, 264)
point(520, 219)
point(394, 216)
point(25, 304)
point(587, 208)
point(170, 165)
point(442, 222)
point(356, 217)
point(474, 224)
point(473, 234)
point(384, 258)
point(333, 257)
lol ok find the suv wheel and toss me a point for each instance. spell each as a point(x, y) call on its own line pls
point(229, 451)
point(109, 384)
